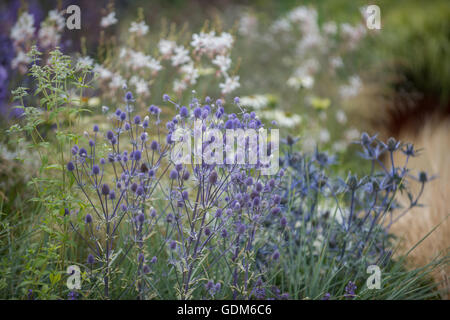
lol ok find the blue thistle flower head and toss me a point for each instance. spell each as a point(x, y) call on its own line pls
point(90, 259)
point(95, 169)
point(184, 112)
point(128, 96)
point(70, 166)
point(173, 174)
point(105, 189)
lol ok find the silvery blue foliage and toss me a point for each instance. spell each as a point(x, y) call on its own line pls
point(343, 220)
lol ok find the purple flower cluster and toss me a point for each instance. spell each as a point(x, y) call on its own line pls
point(344, 220)
point(217, 209)
point(212, 213)
point(118, 185)
point(350, 290)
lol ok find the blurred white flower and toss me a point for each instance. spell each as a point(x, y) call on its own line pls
point(282, 119)
point(55, 17)
point(210, 44)
point(102, 72)
point(140, 85)
point(353, 34)
point(94, 102)
point(24, 28)
point(20, 59)
point(180, 56)
point(330, 27)
point(179, 85)
point(230, 84)
point(257, 101)
point(281, 25)
point(301, 82)
point(309, 40)
point(352, 134)
point(84, 62)
point(138, 60)
point(166, 47)
point(140, 28)
point(341, 117)
point(223, 62)
point(117, 82)
point(49, 36)
point(352, 89)
point(309, 144)
point(336, 62)
point(190, 73)
point(339, 146)
point(302, 14)
point(248, 24)
point(108, 20)
point(324, 135)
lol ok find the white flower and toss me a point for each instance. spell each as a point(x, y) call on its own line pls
point(140, 28)
point(138, 60)
point(48, 36)
point(180, 56)
point(281, 25)
point(336, 62)
point(309, 67)
point(310, 40)
point(140, 85)
point(223, 43)
point(341, 117)
point(123, 53)
point(179, 85)
point(166, 47)
point(154, 64)
point(230, 84)
point(190, 73)
point(353, 34)
point(330, 27)
point(24, 28)
point(84, 62)
point(352, 134)
point(108, 20)
point(339, 146)
point(301, 14)
point(324, 135)
point(20, 59)
point(94, 102)
point(248, 24)
point(352, 89)
point(55, 17)
point(282, 119)
point(309, 144)
point(306, 81)
point(117, 82)
point(209, 43)
point(102, 72)
point(257, 101)
point(223, 62)
point(306, 18)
